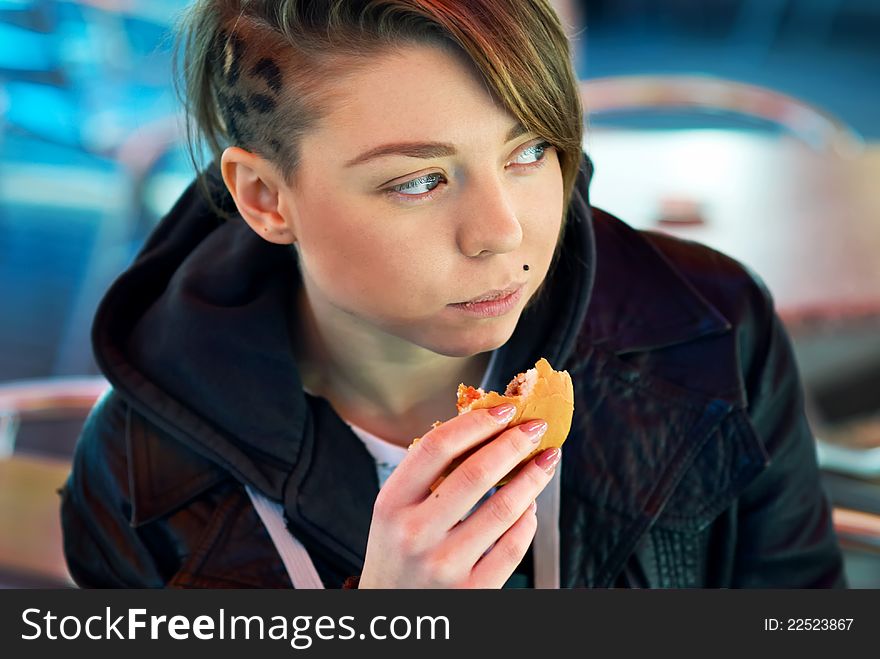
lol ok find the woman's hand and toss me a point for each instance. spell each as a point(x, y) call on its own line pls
point(417, 538)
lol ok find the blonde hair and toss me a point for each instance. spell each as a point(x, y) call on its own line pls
point(255, 72)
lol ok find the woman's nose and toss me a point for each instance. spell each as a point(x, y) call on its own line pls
point(489, 222)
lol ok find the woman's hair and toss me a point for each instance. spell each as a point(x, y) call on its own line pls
point(260, 73)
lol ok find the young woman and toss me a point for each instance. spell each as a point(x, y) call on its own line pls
point(399, 203)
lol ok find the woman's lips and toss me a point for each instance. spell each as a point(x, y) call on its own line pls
point(500, 303)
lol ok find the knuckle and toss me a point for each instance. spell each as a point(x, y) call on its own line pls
point(512, 552)
point(536, 477)
point(443, 569)
point(434, 445)
point(474, 473)
point(502, 507)
point(410, 536)
point(515, 550)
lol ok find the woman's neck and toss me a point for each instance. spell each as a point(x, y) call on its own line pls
point(392, 388)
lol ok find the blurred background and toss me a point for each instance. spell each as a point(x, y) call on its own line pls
point(749, 125)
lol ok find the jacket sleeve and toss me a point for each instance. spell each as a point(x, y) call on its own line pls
point(785, 534)
point(101, 548)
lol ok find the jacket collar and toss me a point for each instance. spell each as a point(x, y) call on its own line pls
point(642, 302)
point(650, 308)
point(180, 298)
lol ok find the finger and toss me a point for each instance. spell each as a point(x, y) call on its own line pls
point(501, 511)
point(426, 461)
point(462, 489)
point(495, 567)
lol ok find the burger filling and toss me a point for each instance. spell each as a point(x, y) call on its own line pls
point(466, 397)
point(522, 384)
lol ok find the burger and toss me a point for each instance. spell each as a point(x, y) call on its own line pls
point(538, 393)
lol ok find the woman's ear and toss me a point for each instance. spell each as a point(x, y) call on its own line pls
point(255, 186)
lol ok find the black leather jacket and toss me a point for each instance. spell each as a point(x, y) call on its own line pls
point(689, 464)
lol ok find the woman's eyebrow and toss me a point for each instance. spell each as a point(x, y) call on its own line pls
point(422, 149)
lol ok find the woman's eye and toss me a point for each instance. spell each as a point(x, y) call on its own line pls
point(422, 188)
point(419, 185)
point(535, 151)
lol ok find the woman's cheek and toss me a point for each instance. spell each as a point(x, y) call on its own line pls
point(366, 272)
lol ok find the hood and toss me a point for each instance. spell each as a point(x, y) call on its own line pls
point(196, 335)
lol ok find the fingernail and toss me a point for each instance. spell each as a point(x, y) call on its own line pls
point(548, 459)
point(503, 413)
point(534, 429)
point(533, 506)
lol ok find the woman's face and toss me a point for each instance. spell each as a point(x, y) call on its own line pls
point(394, 240)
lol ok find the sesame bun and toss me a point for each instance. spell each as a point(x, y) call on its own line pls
point(539, 393)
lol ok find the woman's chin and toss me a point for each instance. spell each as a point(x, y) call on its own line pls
point(470, 342)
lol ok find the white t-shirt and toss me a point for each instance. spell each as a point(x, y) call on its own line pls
point(388, 455)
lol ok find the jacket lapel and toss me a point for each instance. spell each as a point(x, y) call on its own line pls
point(656, 434)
